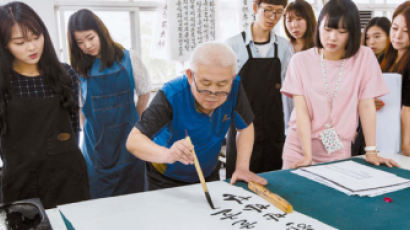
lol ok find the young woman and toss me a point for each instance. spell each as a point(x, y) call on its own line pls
point(300, 23)
point(326, 116)
point(39, 114)
point(377, 38)
point(397, 59)
point(377, 35)
point(109, 78)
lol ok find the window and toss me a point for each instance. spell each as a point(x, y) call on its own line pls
point(120, 28)
point(123, 29)
point(133, 28)
point(134, 24)
point(161, 69)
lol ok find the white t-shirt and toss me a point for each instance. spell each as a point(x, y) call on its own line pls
point(142, 80)
point(263, 49)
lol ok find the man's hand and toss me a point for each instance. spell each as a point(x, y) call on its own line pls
point(180, 151)
point(246, 175)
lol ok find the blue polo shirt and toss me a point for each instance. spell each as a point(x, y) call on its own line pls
point(174, 110)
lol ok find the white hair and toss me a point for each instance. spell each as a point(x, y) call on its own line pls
point(213, 54)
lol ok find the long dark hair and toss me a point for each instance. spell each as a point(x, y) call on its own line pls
point(302, 9)
point(110, 51)
point(345, 10)
point(18, 13)
point(388, 63)
point(381, 22)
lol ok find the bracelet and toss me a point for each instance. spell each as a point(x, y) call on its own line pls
point(370, 148)
point(371, 153)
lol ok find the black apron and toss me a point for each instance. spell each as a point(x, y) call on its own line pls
point(41, 155)
point(261, 79)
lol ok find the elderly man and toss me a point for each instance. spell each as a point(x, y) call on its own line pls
point(202, 103)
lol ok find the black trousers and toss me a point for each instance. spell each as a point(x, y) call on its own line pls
point(158, 181)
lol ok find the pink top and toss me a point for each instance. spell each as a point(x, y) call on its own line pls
point(361, 79)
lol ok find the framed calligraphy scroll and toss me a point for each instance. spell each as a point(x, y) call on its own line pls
point(183, 25)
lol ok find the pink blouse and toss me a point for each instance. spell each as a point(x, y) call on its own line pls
point(361, 79)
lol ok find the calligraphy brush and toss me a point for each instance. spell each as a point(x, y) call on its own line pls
point(200, 174)
point(273, 198)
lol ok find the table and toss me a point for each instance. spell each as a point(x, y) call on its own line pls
point(328, 205)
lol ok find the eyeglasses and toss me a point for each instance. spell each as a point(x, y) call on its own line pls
point(206, 92)
point(269, 13)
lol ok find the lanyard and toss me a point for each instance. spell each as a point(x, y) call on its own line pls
point(331, 98)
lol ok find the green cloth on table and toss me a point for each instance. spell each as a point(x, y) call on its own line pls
point(338, 209)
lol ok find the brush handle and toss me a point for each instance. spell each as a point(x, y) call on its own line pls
point(198, 167)
point(274, 199)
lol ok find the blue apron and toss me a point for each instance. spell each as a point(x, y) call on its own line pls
point(110, 114)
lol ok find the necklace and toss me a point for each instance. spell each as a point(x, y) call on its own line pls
point(330, 97)
point(329, 137)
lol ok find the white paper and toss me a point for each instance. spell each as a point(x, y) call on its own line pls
point(354, 178)
point(56, 221)
point(388, 135)
point(185, 208)
point(369, 193)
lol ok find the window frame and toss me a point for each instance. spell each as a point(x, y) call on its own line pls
point(136, 7)
point(133, 8)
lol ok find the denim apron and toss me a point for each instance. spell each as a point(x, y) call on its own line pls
point(110, 114)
